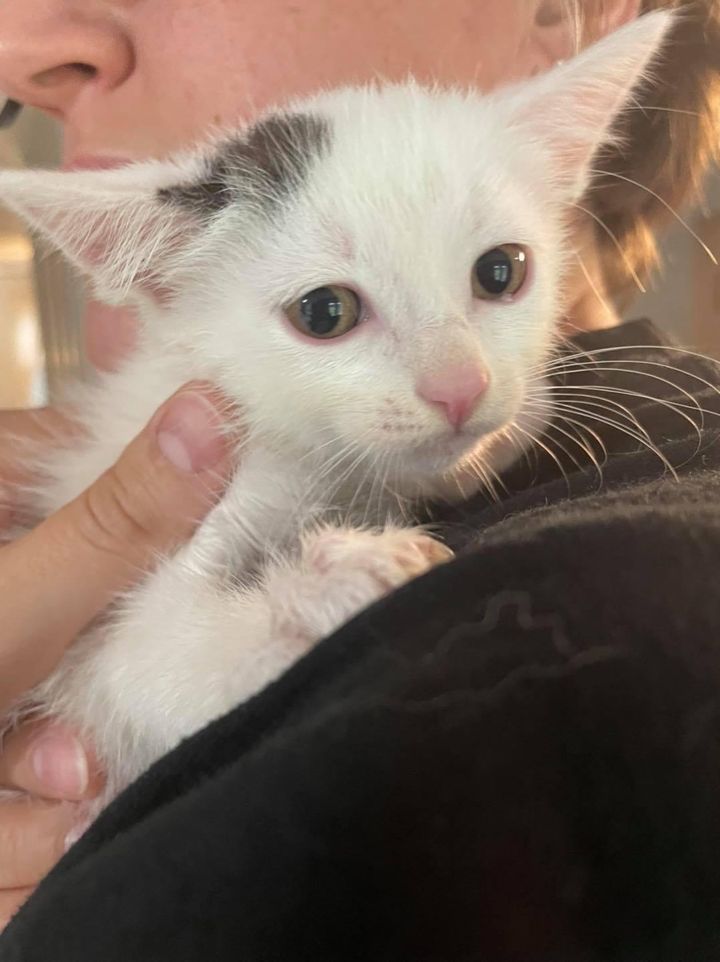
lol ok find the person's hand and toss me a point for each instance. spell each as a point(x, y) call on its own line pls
point(47, 763)
point(57, 578)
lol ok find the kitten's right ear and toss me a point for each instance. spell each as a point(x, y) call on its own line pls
point(119, 227)
point(572, 108)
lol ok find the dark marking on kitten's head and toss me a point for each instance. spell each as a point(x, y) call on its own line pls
point(266, 165)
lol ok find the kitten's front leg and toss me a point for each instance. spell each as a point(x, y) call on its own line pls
point(187, 649)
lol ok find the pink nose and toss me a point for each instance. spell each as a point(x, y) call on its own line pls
point(456, 389)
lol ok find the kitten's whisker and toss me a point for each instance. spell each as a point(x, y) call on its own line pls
point(360, 486)
point(498, 479)
point(327, 469)
point(348, 474)
point(571, 457)
point(603, 301)
point(528, 452)
point(476, 470)
point(604, 389)
point(580, 439)
point(490, 478)
point(380, 461)
point(550, 366)
point(509, 433)
point(674, 406)
point(330, 464)
point(377, 490)
point(641, 438)
point(664, 348)
point(621, 250)
point(668, 207)
point(583, 430)
point(562, 343)
point(478, 464)
point(635, 104)
point(401, 502)
point(458, 484)
point(540, 444)
point(587, 430)
point(315, 451)
point(609, 405)
point(391, 472)
point(482, 473)
point(677, 407)
point(611, 366)
point(598, 403)
point(333, 487)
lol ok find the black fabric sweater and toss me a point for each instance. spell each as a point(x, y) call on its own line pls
point(515, 758)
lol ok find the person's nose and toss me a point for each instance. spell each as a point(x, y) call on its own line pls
point(52, 50)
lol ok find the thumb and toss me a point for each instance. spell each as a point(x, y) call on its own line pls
point(62, 574)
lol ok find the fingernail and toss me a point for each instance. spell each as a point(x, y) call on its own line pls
point(189, 434)
point(60, 764)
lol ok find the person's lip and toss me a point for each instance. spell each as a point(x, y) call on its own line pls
point(91, 162)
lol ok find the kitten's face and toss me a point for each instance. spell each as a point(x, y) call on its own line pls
point(423, 228)
point(404, 299)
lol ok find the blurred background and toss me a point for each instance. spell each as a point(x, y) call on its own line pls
point(41, 301)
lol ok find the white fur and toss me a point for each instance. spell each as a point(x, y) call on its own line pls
point(417, 184)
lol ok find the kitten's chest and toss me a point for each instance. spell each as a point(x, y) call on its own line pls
point(273, 498)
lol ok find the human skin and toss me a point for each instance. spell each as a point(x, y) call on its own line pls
point(60, 576)
point(131, 79)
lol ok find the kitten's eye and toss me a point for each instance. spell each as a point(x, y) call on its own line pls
point(499, 272)
point(325, 312)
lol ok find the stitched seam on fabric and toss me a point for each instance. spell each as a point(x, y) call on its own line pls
point(495, 607)
point(497, 692)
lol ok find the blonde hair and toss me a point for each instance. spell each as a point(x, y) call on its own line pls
point(668, 140)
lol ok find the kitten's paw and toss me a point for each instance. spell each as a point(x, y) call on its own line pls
point(390, 557)
point(340, 572)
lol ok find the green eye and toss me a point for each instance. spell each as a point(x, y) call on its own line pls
point(325, 312)
point(500, 272)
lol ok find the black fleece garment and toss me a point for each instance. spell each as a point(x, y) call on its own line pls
point(515, 758)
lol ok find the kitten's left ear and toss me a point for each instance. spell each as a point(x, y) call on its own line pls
point(115, 225)
point(572, 108)
point(132, 229)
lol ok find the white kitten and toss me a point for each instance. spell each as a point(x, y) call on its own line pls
point(374, 276)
